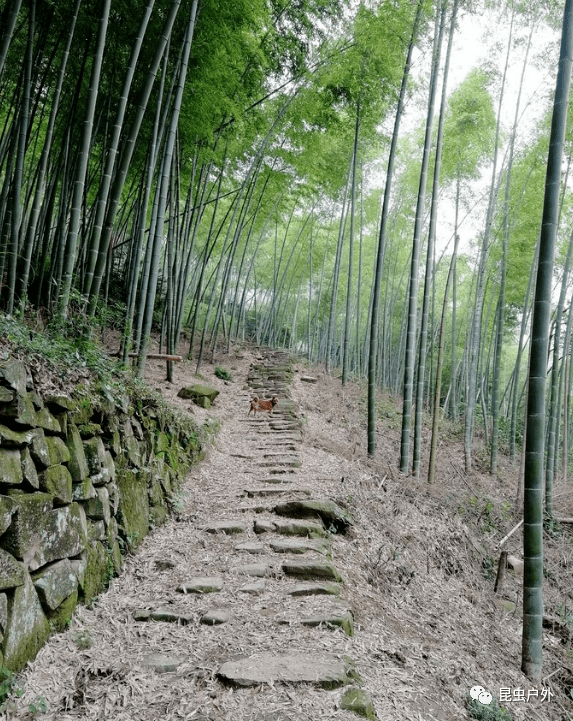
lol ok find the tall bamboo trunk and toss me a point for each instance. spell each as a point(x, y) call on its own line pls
point(532, 638)
point(412, 318)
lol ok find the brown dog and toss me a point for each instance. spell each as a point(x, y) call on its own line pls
point(257, 405)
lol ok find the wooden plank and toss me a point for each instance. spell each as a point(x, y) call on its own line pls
point(156, 356)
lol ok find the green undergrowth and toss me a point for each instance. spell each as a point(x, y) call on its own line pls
point(59, 351)
point(80, 366)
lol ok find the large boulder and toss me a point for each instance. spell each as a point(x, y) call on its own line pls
point(200, 395)
point(55, 582)
point(77, 465)
point(39, 533)
point(10, 467)
point(133, 506)
point(12, 572)
point(27, 627)
point(57, 481)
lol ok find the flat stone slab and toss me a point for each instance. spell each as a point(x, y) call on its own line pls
point(171, 616)
point(255, 569)
point(162, 662)
point(250, 547)
point(275, 480)
point(328, 511)
point(215, 617)
point(255, 587)
point(323, 670)
point(261, 526)
point(315, 589)
point(301, 527)
point(311, 569)
point(294, 545)
point(227, 527)
point(202, 584)
point(343, 621)
point(252, 492)
point(330, 621)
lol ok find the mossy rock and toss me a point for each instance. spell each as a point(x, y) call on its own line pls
point(60, 618)
point(57, 450)
point(133, 506)
point(12, 572)
point(14, 374)
point(359, 702)
point(29, 469)
point(20, 410)
point(48, 421)
point(39, 449)
point(158, 511)
point(162, 442)
point(77, 465)
point(94, 451)
point(11, 467)
point(27, 627)
point(82, 413)
point(201, 395)
point(89, 430)
point(57, 481)
point(54, 583)
point(10, 438)
point(96, 572)
point(7, 509)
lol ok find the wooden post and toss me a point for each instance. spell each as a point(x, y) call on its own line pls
point(501, 566)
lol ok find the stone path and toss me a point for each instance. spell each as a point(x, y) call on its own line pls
point(256, 625)
point(297, 527)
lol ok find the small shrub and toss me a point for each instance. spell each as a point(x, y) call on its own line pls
point(490, 712)
point(83, 639)
point(223, 374)
point(9, 685)
point(37, 706)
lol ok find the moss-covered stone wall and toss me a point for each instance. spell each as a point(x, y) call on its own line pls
point(82, 481)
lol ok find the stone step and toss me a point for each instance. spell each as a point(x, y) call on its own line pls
point(296, 527)
point(311, 569)
point(343, 621)
point(251, 547)
point(281, 445)
point(275, 479)
point(315, 589)
point(295, 545)
point(227, 527)
point(202, 584)
point(328, 511)
point(251, 492)
point(321, 670)
point(163, 662)
point(171, 615)
point(215, 617)
point(278, 455)
point(260, 570)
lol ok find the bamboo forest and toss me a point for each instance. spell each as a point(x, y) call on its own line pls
point(383, 187)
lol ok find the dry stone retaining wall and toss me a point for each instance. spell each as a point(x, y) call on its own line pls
point(81, 482)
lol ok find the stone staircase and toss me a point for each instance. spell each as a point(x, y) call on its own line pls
point(288, 542)
point(256, 619)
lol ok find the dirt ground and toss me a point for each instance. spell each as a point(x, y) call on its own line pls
point(419, 567)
